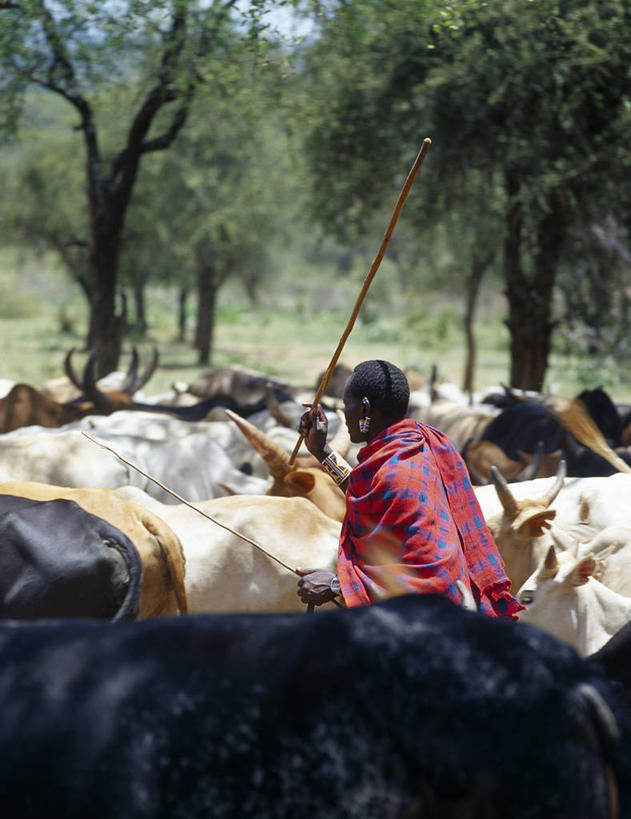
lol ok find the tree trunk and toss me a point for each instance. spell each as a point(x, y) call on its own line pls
point(207, 286)
point(181, 313)
point(139, 304)
point(106, 328)
point(474, 280)
point(530, 300)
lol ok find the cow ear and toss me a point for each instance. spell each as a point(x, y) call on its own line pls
point(582, 571)
point(539, 524)
point(300, 478)
point(533, 523)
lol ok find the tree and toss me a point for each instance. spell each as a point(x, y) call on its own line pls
point(76, 49)
point(228, 186)
point(533, 96)
point(41, 191)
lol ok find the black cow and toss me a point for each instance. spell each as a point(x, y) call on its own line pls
point(614, 660)
point(199, 411)
point(411, 708)
point(522, 426)
point(57, 560)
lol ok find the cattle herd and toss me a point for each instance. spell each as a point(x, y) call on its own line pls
point(156, 661)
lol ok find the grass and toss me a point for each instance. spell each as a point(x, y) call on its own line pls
point(41, 318)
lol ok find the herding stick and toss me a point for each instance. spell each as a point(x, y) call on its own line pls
point(368, 281)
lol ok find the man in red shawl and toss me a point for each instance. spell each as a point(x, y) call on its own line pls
point(412, 520)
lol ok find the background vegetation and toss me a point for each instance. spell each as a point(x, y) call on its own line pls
point(246, 235)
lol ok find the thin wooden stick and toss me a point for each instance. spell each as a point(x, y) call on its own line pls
point(192, 506)
point(368, 280)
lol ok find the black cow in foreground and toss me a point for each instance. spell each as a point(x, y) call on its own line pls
point(408, 709)
point(614, 660)
point(57, 560)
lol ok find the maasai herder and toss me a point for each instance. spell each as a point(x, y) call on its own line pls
point(412, 520)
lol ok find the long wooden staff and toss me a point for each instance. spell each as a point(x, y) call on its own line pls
point(368, 281)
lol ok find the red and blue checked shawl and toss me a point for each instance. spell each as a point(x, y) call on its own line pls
point(411, 498)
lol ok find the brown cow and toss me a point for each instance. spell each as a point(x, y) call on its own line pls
point(292, 480)
point(24, 405)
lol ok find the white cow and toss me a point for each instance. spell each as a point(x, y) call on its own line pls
point(564, 598)
point(225, 573)
point(526, 518)
point(194, 466)
point(598, 502)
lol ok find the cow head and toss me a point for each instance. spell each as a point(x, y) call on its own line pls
point(106, 402)
point(481, 456)
point(24, 405)
point(519, 528)
point(550, 595)
point(291, 480)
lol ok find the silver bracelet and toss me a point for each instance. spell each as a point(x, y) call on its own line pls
point(336, 467)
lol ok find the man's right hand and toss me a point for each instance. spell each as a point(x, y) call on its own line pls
point(315, 430)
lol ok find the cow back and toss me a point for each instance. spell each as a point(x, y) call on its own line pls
point(407, 708)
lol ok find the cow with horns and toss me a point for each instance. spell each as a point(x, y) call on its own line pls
point(24, 405)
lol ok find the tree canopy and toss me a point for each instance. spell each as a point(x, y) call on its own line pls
point(527, 106)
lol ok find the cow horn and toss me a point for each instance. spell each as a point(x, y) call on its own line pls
point(433, 378)
point(572, 445)
point(274, 408)
point(341, 441)
point(531, 469)
point(132, 373)
point(69, 370)
point(149, 370)
point(476, 478)
point(557, 485)
point(503, 492)
point(89, 387)
point(275, 457)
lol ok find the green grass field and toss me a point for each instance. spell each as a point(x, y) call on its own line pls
point(41, 317)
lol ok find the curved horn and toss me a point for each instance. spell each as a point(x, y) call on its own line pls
point(503, 492)
point(476, 479)
point(572, 446)
point(132, 374)
point(531, 469)
point(341, 441)
point(69, 370)
point(275, 457)
point(146, 374)
point(433, 392)
point(557, 485)
point(274, 408)
point(89, 387)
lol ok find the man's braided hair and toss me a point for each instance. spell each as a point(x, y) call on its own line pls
point(385, 386)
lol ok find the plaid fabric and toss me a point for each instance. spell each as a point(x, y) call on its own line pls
point(413, 524)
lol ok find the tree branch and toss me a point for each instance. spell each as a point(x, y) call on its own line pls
point(162, 92)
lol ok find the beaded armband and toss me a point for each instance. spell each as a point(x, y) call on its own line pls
point(337, 467)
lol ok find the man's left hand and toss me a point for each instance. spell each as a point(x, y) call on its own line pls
point(315, 586)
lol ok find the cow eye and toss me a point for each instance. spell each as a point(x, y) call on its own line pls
point(526, 598)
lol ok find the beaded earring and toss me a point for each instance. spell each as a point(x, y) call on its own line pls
point(364, 423)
